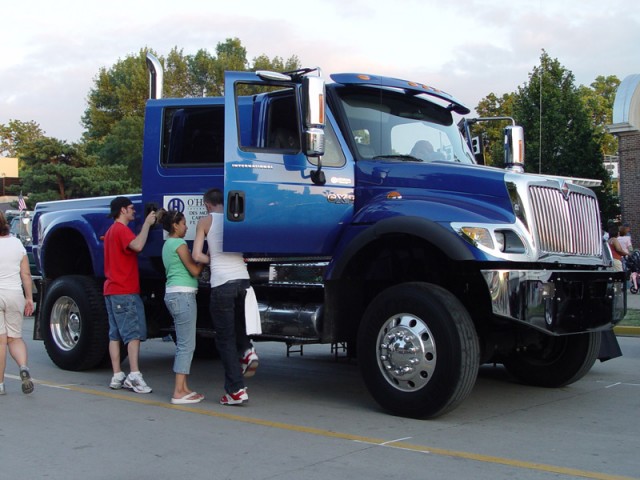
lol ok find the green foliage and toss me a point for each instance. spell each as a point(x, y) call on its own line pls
point(598, 101)
point(493, 131)
point(123, 147)
point(17, 133)
point(119, 92)
point(55, 170)
point(99, 180)
point(631, 319)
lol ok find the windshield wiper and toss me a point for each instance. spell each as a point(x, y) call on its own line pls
point(404, 158)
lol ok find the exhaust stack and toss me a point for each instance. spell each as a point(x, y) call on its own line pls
point(156, 76)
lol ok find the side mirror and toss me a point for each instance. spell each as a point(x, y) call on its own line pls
point(313, 94)
point(514, 148)
point(477, 146)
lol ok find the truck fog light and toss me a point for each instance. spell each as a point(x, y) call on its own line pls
point(548, 290)
point(501, 241)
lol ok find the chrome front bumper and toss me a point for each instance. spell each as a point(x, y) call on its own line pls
point(559, 302)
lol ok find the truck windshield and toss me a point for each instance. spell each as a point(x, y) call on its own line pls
point(385, 124)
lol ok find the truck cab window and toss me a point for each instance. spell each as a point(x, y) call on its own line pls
point(268, 120)
point(391, 125)
point(193, 136)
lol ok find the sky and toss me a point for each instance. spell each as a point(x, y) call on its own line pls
point(52, 51)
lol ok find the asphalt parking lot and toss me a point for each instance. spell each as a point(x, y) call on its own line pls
point(310, 417)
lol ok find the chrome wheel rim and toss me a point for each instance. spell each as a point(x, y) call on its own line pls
point(406, 352)
point(65, 323)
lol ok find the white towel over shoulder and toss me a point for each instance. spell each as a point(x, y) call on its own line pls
point(252, 313)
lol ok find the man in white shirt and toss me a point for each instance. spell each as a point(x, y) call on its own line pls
point(229, 284)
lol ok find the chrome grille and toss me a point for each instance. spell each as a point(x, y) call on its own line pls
point(566, 226)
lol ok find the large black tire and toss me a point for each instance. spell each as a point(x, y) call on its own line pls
point(75, 326)
point(418, 350)
point(556, 361)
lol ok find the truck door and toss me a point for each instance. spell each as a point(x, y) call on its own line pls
point(272, 205)
point(184, 156)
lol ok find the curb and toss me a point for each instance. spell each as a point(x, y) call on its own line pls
point(627, 331)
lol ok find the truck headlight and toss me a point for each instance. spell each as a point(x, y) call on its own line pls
point(478, 236)
point(493, 238)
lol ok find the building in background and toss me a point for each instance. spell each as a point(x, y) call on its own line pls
point(9, 176)
point(626, 126)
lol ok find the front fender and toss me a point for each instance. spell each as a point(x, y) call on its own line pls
point(358, 237)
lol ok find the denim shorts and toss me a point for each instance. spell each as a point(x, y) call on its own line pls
point(126, 318)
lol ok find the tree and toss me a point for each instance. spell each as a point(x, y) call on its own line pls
point(277, 64)
point(177, 77)
point(119, 92)
point(123, 146)
point(493, 131)
point(598, 101)
point(231, 55)
point(55, 170)
point(17, 133)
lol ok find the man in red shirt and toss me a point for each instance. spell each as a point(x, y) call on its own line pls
point(127, 322)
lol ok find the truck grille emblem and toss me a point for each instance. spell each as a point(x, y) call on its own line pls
point(564, 188)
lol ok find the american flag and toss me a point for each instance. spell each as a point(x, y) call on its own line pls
point(21, 203)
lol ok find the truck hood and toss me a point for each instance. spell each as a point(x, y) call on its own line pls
point(469, 189)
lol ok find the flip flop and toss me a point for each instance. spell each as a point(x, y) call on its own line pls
point(193, 397)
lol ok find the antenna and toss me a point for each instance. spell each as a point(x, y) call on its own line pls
point(540, 119)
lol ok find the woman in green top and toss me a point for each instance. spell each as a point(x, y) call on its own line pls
point(180, 297)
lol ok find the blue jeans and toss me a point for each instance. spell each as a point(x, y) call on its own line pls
point(126, 318)
point(227, 313)
point(184, 310)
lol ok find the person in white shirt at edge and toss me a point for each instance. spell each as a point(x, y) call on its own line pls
point(16, 299)
point(229, 284)
point(617, 251)
point(624, 238)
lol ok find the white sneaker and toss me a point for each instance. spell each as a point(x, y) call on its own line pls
point(117, 380)
point(249, 363)
point(135, 382)
point(237, 398)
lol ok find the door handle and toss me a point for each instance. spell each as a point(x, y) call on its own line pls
point(235, 206)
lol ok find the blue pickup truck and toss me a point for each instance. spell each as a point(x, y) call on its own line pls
point(366, 222)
